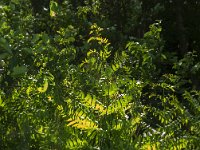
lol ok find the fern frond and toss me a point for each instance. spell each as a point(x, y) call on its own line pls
point(74, 143)
point(93, 103)
point(119, 105)
point(83, 124)
point(78, 113)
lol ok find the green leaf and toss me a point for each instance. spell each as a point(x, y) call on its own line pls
point(2, 104)
point(163, 56)
point(5, 45)
point(28, 90)
point(19, 70)
point(3, 56)
point(15, 1)
point(36, 37)
point(53, 8)
point(44, 88)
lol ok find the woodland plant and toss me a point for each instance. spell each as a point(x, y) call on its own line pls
point(64, 85)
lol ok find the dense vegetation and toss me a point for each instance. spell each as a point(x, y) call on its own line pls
point(99, 74)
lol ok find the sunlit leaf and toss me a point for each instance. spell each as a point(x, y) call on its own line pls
point(44, 88)
point(53, 8)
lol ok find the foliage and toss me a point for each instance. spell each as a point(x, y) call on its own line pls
point(72, 77)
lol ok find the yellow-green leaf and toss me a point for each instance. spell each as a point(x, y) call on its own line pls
point(44, 88)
